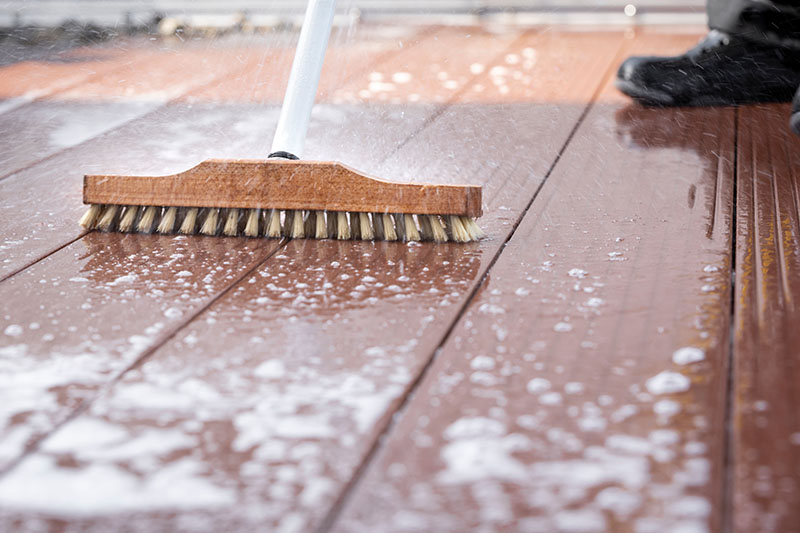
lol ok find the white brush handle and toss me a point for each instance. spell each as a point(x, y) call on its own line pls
point(290, 135)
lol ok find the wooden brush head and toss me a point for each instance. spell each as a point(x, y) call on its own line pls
point(282, 184)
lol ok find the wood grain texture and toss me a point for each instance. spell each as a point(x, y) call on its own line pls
point(41, 129)
point(77, 319)
point(41, 204)
point(165, 142)
point(438, 76)
point(48, 193)
point(766, 424)
point(152, 74)
point(271, 400)
point(267, 402)
point(584, 389)
point(352, 53)
point(25, 81)
point(67, 112)
point(280, 184)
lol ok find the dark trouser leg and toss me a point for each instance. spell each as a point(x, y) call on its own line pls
point(775, 22)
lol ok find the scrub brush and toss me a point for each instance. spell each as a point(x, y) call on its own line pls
point(282, 196)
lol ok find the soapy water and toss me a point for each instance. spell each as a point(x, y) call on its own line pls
point(386, 117)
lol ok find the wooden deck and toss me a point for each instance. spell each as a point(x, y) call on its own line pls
point(619, 354)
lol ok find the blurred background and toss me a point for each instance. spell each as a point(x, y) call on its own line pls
point(216, 15)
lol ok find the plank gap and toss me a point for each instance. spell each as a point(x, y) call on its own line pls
point(728, 474)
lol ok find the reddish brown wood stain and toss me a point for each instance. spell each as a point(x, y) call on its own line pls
point(547, 410)
point(564, 398)
point(34, 79)
point(404, 78)
point(766, 445)
point(412, 314)
point(282, 388)
point(263, 78)
point(36, 131)
point(173, 139)
point(79, 318)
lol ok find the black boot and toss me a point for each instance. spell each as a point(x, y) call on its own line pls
point(721, 70)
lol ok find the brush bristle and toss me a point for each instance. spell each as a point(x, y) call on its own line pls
point(439, 234)
point(127, 222)
point(147, 220)
point(107, 218)
point(412, 233)
point(332, 220)
point(425, 229)
point(293, 225)
point(251, 228)
point(389, 232)
point(298, 231)
point(210, 223)
point(273, 226)
point(342, 226)
point(377, 227)
point(355, 225)
point(318, 224)
point(310, 224)
point(231, 228)
point(399, 223)
point(475, 231)
point(90, 217)
point(456, 230)
point(321, 230)
point(189, 221)
point(167, 224)
point(365, 227)
point(288, 220)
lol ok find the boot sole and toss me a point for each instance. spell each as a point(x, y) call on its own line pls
point(643, 95)
point(655, 98)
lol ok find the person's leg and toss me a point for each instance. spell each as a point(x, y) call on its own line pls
point(774, 22)
point(748, 56)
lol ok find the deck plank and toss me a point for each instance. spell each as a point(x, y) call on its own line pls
point(172, 139)
point(350, 55)
point(159, 75)
point(43, 203)
point(584, 388)
point(79, 318)
point(134, 70)
point(180, 136)
point(41, 129)
point(270, 400)
point(134, 84)
point(25, 81)
point(158, 154)
point(766, 424)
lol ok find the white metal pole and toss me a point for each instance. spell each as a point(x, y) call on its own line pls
point(290, 135)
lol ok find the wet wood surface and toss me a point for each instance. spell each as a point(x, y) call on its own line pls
point(169, 139)
point(57, 356)
point(435, 309)
point(26, 81)
point(567, 373)
point(113, 87)
point(584, 387)
point(766, 424)
point(37, 131)
point(147, 150)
